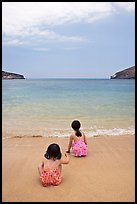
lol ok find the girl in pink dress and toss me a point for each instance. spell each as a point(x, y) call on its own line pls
point(77, 141)
point(51, 166)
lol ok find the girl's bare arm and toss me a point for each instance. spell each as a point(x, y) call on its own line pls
point(70, 144)
point(85, 139)
point(65, 160)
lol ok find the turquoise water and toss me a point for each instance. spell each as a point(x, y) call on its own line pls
point(47, 107)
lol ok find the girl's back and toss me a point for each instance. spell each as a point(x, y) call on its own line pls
point(51, 172)
point(51, 166)
point(76, 138)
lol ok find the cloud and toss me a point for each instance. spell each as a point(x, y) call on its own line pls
point(36, 36)
point(128, 6)
point(15, 42)
point(37, 20)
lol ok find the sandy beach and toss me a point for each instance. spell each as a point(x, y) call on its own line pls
point(107, 174)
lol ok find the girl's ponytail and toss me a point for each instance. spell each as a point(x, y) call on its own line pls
point(78, 133)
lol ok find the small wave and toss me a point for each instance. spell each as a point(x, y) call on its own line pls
point(65, 133)
point(112, 132)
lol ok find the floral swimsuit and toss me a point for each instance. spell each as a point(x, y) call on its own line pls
point(79, 148)
point(51, 176)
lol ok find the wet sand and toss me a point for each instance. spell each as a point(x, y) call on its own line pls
point(107, 174)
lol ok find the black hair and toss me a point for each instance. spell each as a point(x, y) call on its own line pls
point(76, 125)
point(53, 151)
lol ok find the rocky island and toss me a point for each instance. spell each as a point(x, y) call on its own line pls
point(128, 73)
point(10, 75)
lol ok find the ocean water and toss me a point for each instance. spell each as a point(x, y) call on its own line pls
point(46, 107)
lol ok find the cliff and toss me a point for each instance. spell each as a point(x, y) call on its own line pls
point(9, 75)
point(128, 73)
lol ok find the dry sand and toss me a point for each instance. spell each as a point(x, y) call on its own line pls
point(106, 174)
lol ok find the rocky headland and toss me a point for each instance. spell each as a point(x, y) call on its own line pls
point(10, 75)
point(128, 73)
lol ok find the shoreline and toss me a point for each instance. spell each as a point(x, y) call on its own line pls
point(11, 136)
point(107, 173)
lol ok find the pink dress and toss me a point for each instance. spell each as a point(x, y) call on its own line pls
point(79, 148)
point(51, 176)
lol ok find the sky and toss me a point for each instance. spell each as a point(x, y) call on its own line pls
point(68, 39)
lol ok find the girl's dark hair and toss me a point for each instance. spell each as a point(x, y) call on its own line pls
point(76, 125)
point(53, 151)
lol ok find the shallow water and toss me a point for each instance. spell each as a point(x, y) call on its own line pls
point(47, 107)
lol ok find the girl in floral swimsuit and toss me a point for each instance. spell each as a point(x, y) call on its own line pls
point(51, 166)
point(77, 141)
